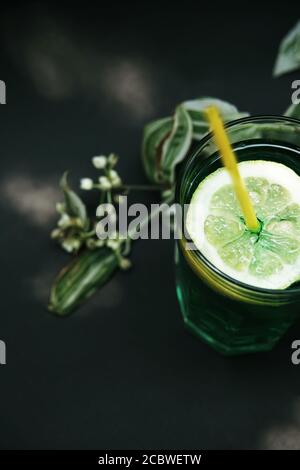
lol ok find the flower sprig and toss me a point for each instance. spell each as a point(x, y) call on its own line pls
point(110, 178)
point(75, 230)
point(166, 143)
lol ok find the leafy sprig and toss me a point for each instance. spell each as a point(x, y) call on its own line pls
point(166, 143)
point(288, 58)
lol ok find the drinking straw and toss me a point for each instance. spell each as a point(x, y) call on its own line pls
point(230, 162)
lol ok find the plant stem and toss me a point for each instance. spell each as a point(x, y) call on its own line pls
point(140, 187)
point(88, 234)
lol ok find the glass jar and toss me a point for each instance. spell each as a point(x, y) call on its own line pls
point(231, 316)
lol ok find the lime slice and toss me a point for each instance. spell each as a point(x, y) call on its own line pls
point(268, 259)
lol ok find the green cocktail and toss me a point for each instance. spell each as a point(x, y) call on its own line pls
point(226, 287)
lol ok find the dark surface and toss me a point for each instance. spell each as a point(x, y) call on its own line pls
point(122, 372)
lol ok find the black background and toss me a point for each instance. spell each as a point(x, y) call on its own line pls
point(122, 372)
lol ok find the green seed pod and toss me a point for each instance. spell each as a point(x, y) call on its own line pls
point(89, 271)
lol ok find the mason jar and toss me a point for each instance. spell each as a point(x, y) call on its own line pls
point(229, 315)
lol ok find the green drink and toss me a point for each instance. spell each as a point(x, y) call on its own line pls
point(243, 299)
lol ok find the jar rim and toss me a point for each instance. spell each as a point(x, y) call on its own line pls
point(197, 253)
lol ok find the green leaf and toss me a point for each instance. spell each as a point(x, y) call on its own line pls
point(288, 58)
point(81, 278)
point(167, 141)
point(154, 135)
point(73, 203)
point(195, 109)
point(176, 146)
point(293, 111)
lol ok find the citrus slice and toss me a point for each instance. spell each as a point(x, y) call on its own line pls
point(267, 259)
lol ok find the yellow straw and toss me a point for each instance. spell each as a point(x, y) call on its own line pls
point(230, 162)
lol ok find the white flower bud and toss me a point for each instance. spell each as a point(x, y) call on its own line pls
point(113, 244)
point(120, 199)
point(67, 246)
point(55, 233)
point(114, 178)
point(92, 243)
point(60, 207)
point(99, 162)
point(86, 183)
point(117, 182)
point(112, 159)
point(125, 263)
point(99, 243)
point(104, 182)
point(64, 221)
point(71, 244)
point(113, 174)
